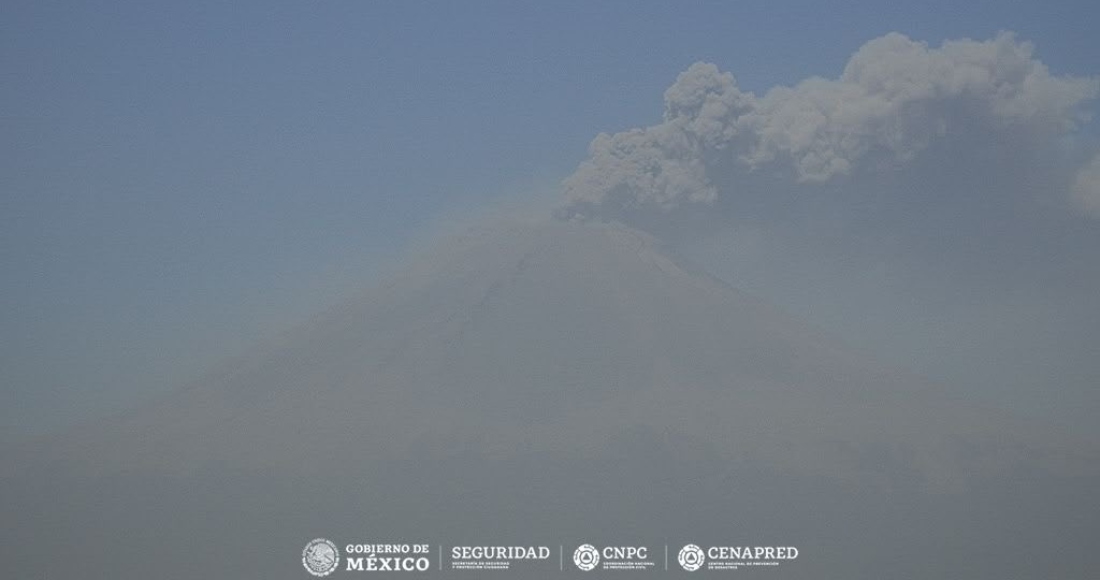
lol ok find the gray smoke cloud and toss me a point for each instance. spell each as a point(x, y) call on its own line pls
point(896, 101)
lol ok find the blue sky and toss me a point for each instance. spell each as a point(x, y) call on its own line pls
point(179, 180)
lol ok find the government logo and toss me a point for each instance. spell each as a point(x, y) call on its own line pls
point(320, 557)
point(691, 557)
point(586, 557)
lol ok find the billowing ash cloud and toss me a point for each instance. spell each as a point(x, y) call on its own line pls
point(896, 100)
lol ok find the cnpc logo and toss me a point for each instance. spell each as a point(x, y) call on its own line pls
point(587, 557)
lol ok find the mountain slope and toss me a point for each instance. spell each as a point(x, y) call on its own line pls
point(552, 381)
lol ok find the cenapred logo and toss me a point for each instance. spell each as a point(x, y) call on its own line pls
point(586, 557)
point(691, 557)
point(320, 557)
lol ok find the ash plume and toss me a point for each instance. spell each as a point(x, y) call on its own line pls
point(896, 101)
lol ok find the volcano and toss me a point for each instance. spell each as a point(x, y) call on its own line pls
point(551, 382)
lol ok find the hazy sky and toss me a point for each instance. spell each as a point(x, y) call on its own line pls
point(178, 180)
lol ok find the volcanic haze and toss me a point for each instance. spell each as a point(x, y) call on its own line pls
point(554, 382)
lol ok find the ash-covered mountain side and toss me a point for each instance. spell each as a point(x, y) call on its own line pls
point(553, 381)
point(550, 338)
